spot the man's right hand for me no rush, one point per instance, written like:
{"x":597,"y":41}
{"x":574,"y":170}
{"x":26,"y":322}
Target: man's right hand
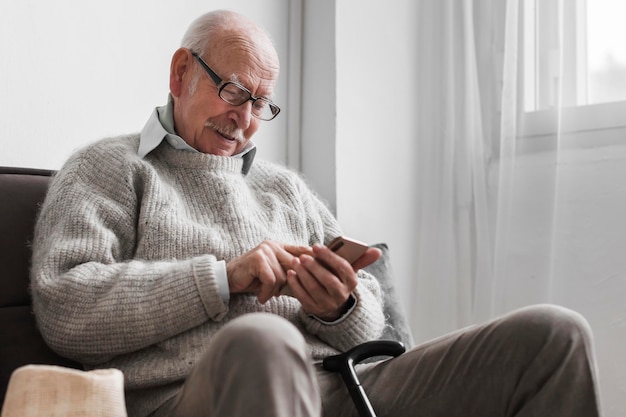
{"x":263,"y":270}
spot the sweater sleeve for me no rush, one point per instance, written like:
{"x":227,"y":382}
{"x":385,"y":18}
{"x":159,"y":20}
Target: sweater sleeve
{"x":92,"y":299}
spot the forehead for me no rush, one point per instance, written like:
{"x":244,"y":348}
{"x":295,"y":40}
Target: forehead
{"x":244,"y":55}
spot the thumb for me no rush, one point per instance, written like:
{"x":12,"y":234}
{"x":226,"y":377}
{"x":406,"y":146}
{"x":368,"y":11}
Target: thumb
{"x":370,"y":256}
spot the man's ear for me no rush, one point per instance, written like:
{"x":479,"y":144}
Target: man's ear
{"x":181,"y":64}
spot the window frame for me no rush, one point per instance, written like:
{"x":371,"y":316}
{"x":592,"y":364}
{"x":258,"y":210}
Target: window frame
{"x":541,"y":69}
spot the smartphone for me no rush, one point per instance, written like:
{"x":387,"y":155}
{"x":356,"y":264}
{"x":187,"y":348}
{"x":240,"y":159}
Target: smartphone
{"x":348,"y":249}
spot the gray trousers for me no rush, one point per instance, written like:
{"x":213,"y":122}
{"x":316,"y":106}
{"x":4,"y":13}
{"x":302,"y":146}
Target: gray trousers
{"x":537,"y":361}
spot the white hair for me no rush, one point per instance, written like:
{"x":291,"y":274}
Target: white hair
{"x":202,"y":31}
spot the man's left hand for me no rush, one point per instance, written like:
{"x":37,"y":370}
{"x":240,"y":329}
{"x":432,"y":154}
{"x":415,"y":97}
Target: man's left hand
{"x":323,"y":282}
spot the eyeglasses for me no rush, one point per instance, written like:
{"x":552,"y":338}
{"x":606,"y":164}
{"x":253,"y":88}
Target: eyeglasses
{"x":236,"y":94}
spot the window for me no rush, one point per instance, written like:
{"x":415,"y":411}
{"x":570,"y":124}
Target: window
{"x":606,"y":51}
{"x":575,"y":58}
{"x":577,"y":47}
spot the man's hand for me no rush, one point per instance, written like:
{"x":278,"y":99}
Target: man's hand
{"x":262,"y":270}
{"x":323,"y":281}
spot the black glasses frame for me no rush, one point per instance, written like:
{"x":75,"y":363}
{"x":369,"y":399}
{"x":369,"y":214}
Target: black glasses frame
{"x":221,"y":84}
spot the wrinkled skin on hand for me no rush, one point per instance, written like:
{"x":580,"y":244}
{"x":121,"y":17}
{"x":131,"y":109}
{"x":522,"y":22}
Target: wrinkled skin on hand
{"x":263,"y":270}
{"x":320,"y":279}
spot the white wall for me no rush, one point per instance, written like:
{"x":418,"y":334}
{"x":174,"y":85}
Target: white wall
{"x":73,"y":71}
{"x":319,"y":98}
{"x":376,"y":125}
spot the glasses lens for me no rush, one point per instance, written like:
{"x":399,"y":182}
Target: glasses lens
{"x":264,"y":109}
{"x":234,"y":94}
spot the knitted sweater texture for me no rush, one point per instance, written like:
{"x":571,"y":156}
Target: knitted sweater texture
{"x":125,"y":252}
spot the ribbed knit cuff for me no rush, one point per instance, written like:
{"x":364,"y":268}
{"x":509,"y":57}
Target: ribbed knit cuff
{"x":350,"y":305}
{"x":366,"y":322}
{"x":204,"y":270}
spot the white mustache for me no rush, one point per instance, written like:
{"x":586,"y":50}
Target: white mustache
{"x":228,"y":131}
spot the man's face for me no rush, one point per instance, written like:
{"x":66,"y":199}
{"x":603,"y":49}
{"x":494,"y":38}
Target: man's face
{"x":201,"y":117}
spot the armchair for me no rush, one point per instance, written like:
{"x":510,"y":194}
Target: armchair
{"x":21,"y":192}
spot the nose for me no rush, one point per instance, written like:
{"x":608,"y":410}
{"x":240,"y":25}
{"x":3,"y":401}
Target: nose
{"x":242,"y":114}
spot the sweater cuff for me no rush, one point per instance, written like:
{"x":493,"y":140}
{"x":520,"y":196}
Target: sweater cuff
{"x":204,"y":271}
{"x":350,"y":306}
{"x":365,"y":322}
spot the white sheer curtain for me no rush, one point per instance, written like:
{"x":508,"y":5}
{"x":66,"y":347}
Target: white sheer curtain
{"x":454,"y":152}
{"x":525,"y":214}
{"x":517,"y":207}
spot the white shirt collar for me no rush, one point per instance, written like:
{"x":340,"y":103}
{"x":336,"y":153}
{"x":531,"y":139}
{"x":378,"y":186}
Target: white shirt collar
{"x":160,"y":126}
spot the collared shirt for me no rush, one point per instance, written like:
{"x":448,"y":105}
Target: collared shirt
{"x":159,"y":127}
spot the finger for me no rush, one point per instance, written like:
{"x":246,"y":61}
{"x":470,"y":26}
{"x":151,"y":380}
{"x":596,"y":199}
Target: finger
{"x":368,"y":258}
{"x":314,"y":297}
{"x":273,"y":262}
{"x":307,"y":279}
{"x":295,"y":285}
{"x":271,"y":276}
{"x":333,"y":262}
{"x":327,"y":288}
{"x":281,"y":264}
{"x":288,"y":253}
{"x":267,"y":281}
{"x":297,"y":250}
{"x":280,"y":277}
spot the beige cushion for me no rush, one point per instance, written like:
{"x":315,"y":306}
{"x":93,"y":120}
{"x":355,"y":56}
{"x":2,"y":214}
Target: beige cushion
{"x":54,"y":391}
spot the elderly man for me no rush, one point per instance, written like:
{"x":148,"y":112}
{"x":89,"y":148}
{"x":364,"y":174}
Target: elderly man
{"x":169,"y":255}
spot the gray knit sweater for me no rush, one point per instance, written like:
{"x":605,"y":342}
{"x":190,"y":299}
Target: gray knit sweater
{"x":125,"y":251}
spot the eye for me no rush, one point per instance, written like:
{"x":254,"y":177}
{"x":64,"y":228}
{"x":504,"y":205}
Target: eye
{"x":234,"y":94}
{"x":259,"y":105}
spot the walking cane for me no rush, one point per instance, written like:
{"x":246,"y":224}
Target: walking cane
{"x":344,"y":364}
